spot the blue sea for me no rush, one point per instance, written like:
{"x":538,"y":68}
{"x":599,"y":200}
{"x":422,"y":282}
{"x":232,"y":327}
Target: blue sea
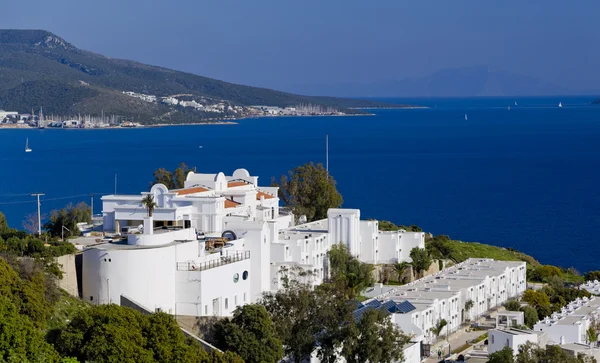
{"x":525,"y":178}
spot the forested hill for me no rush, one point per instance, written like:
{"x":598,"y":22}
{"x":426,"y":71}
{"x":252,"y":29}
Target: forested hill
{"x":38,"y":68}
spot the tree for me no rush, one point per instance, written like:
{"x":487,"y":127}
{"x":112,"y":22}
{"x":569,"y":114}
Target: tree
{"x":530,"y":316}
{"x":20,"y":340}
{"x":389,"y":226}
{"x":439,"y":327}
{"x":3,"y":223}
{"x":163,"y":176}
{"x":307,"y":318}
{"x":68,"y":217}
{"x":30,"y":223}
{"x":505,"y":355}
{"x":111,"y":333}
{"x":512,"y":305}
{"x":172,"y":180}
{"x":589,"y":276}
{"x":347,"y":272}
{"x":400,"y":268}
{"x":536,"y":298}
{"x":469,"y":305}
{"x":250,"y":334}
{"x":529,"y":353}
{"x":440,"y":247}
{"x":420,"y":260}
{"x":309,"y":190}
{"x":180,"y":174}
{"x":149,"y":203}
{"x":374,"y":338}
{"x":591,"y":335}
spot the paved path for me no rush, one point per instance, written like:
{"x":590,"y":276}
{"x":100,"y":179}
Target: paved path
{"x":456,"y":340}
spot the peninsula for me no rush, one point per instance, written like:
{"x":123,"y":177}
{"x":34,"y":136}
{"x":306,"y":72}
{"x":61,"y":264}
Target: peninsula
{"x":40,"y":70}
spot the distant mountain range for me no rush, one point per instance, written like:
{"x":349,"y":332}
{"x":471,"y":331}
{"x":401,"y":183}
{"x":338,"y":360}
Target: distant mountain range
{"x":38,"y":68}
{"x":473,"y":81}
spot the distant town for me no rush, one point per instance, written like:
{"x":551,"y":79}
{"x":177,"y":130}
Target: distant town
{"x":221,"y":111}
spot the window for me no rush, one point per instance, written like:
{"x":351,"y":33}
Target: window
{"x":235,"y":300}
{"x":91,"y":298}
{"x":205,"y":309}
{"x":245,"y":276}
{"x":244,"y":297}
{"x":236,"y":277}
{"x":226,"y":303}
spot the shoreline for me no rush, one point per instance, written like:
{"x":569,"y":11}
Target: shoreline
{"x":208,"y":123}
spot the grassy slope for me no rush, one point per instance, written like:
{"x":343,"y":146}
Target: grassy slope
{"x":66,"y":308}
{"x":464,"y":250}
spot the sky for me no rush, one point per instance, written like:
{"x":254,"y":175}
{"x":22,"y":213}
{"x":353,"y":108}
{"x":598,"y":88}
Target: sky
{"x":282,"y":43}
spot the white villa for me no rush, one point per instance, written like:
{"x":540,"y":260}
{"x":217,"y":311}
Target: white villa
{"x":219,"y":243}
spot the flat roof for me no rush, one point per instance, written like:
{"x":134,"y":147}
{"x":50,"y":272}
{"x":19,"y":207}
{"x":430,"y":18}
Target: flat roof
{"x":125,"y":246}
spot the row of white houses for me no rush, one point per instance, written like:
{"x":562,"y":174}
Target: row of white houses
{"x":457,"y":294}
{"x":218,"y":243}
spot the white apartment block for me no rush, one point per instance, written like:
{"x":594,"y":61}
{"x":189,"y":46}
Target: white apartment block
{"x":485,"y":282}
{"x":593,"y":287}
{"x":570,"y":324}
{"x":218,"y":243}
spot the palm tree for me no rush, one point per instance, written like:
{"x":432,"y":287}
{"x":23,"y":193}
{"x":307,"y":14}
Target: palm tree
{"x":149,"y":203}
{"x":399,"y":268}
{"x":438,"y":328}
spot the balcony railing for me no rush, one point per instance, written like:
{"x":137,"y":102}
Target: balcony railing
{"x":224,"y":260}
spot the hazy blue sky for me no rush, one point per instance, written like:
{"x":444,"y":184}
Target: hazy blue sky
{"x":281,"y":43}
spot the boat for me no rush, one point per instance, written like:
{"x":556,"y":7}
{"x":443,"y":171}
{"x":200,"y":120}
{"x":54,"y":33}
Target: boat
{"x":509,"y":108}
{"x":27,"y":149}
{"x":560,"y":104}
{"x":466,"y":118}
{"x":516,"y":103}
{"x":200,"y":146}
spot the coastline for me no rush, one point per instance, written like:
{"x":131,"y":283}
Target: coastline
{"x":235,"y":122}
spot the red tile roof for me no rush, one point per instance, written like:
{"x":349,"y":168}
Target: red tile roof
{"x":191,"y":191}
{"x":231,"y":203}
{"x":261,"y":194}
{"x":236,"y":184}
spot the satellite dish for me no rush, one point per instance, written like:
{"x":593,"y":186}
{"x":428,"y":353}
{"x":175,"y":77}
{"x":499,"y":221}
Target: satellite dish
{"x":141,"y":227}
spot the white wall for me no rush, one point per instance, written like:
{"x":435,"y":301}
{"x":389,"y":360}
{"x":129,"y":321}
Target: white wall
{"x":498,"y":339}
{"x":213,"y":291}
{"x":344,"y":227}
{"x":412,"y":353}
{"x":144,"y":275}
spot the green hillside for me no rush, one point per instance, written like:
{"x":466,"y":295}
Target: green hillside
{"x":38,"y":68}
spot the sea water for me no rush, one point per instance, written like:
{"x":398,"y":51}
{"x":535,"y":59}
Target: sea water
{"x":526,"y":178}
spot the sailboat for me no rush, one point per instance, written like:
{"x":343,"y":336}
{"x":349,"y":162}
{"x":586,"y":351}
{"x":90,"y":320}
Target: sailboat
{"x":560,"y":104}
{"x":466,"y":118}
{"x":27,"y":149}
{"x":516,"y":103}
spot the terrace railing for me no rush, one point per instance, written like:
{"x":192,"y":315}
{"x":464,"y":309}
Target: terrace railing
{"x":224,"y":260}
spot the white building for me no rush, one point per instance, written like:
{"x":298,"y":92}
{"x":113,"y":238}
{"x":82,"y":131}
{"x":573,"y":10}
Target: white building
{"x":593,"y":287}
{"x":513,"y":338}
{"x":219,"y":242}
{"x":484,"y":282}
{"x":570,"y":324}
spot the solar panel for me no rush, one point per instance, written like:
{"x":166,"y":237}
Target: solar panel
{"x":405,"y":307}
{"x":374,"y":304}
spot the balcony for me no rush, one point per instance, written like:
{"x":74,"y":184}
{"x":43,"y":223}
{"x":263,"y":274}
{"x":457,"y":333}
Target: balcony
{"x":224,"y":260}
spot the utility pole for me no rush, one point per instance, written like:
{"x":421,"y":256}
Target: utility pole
{"x":39,"y":212}
{"x":92,"y":205}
